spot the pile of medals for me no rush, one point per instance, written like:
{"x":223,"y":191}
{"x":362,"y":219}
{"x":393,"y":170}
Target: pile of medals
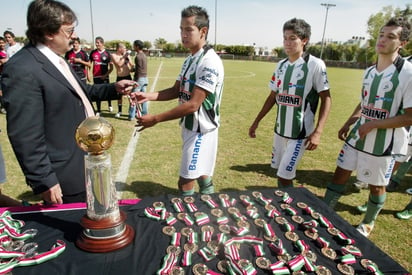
{"x":235,"y":232}
{"x":15,"y":250}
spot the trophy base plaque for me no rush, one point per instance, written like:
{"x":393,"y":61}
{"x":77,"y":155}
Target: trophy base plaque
{"x":105,"y":235}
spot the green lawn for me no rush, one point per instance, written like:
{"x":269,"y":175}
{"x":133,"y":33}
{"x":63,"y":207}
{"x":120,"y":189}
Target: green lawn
{"x":243,"y":163}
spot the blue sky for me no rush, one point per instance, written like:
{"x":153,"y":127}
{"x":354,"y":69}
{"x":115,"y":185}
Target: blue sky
{"x":237,"y":22}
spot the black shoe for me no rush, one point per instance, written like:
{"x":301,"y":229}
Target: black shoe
{"x":392,"y":186}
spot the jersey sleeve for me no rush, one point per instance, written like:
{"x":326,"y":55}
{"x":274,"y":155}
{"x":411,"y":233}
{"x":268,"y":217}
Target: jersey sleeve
{"x":207,"y":74}
{"x":320,"y":81}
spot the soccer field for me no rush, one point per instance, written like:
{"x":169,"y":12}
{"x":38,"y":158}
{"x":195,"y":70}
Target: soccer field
{"x":242,"y":163}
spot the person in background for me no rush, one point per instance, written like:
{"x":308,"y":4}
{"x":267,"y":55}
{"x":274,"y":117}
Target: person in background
{"x":198,"y":89}
{"x":4,"y":199}
{"x":140,"y":76}
{"x":102,"y":67}
{"x":78,"y":60}
{"x":46,"y":102}
{"x":378,"y":133}
{"x":3,"y":60}
{"x":123,"y":66}
{"x":296,"y":86}
{"x":12,"y":46}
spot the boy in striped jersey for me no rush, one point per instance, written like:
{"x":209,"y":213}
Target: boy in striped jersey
{"x":199,"y":89}
{"x":296,"y":86}
{"x":378,"y":134}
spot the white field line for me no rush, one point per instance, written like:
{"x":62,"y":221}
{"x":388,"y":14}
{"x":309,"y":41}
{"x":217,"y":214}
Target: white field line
{"x":123,"y":171}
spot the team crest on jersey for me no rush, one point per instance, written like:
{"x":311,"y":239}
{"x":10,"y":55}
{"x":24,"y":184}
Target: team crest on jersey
{"x":372,"y":113}
{"x":387,"y":87}
{"x":300,"y":75}
{"x":289,"y":100}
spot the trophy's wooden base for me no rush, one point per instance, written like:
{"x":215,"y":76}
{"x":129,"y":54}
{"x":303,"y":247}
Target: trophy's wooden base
{"x":108,"y":242}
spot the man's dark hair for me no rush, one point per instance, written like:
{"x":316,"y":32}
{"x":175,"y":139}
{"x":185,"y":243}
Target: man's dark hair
{"x":139,"y":44}
{"x":299,"y":27}
{"x":202,"y":18}
{"x":404,"y":24}
{"x":45,"y":17}
{"x":2,"y":38}
{"x":8,"y":32}
{"x":99,"y":38}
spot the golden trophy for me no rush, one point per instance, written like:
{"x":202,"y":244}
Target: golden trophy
{"x":104,"y":227}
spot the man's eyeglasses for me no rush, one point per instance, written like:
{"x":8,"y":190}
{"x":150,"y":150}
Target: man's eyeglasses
{"x":68,"y":32}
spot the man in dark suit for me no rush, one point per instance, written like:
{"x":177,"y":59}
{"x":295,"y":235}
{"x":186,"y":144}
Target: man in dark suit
{"x":44,"y":106}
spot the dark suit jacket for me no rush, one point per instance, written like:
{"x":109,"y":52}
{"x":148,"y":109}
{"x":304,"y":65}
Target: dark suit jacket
{"x":43,"y":112}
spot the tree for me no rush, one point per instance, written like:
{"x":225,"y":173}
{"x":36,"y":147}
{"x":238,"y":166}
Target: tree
{"x":160,"y":43}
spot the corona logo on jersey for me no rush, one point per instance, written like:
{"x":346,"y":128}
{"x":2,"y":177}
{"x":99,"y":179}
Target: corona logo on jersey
{"x":289,"y":100}
{"x":372,"y":113}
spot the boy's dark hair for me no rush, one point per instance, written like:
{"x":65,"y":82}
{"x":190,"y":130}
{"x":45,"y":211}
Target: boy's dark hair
{"x":139,"y":44}
{"x":202,"y":18}
{"x":404,"y":24}
{"x":8,"y":32}
{"x":300,"y":27}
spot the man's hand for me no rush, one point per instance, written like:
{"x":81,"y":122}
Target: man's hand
{"x":146,"y":121}
{"x":124,"y":86}
{"x":53,"y":195}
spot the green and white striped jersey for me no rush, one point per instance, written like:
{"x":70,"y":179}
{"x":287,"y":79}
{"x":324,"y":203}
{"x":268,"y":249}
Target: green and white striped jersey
{"x":205,"y":70}
{"x":297,"y":86}
{"x":384,"y":94}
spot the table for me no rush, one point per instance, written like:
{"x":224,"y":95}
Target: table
{"x":146,"y":253}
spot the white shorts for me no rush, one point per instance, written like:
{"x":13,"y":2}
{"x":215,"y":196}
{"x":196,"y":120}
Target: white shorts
{"x":401,"y":158}
{"x":375,"y":170}
{"x":286,"y":155}
{"x":198,"y":154}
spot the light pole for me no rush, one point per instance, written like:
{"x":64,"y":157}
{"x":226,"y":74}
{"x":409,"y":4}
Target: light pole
{"x":327,"y":5}
{"x":91,"y":21}
{"x":215,"y":22}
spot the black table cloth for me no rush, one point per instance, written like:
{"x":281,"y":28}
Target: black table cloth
{"x":145,"y":254}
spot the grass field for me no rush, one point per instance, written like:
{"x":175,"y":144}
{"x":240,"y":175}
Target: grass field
{"x":243,"y":163}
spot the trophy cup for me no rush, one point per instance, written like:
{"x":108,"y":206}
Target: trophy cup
{"x":104,"y":227}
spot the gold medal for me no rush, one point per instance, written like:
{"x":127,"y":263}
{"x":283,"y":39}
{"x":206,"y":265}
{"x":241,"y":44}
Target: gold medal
{"x":315,"y":215}
{"x":205,"y":197}
{"x":263,"y":263}
{"x":280,"y":220}
{"x":310,"y":255}
{"x":233,"y":210}
{"x":213,"y":245}
{"x":270,"y":238}
{"x":172,"y":249}
{"x":284,"y":258}
{"x":185,"y":231}
{"x":291,"y":236}
{"x":299,"y":272}
{"x":168,"y":230}
{"x":256,"y":194}
{"x":243,"y":224}
{"x":222,"y":266}
{"x":284,"y":206}
{"x":158,"y":204}
{"x":310,"y":234}
{"x":322,"y":270}
{"x":269,"y":207}
{"x":279,"y":193}
{"x":224,"y":196}
{"x":192,"y":247}
{"x":297,"y":219}
{"x":244,"y":197}
{"x":177,"y":270}
{"x":189,"y":199}
{"x":366,"y":262}
{"x":346,"y":269}
{"x":200,"y":269}
{"x":176,"y":200}
{"x":207,"y":228}
{"x":243,"y":263}
{"x":181,"y":216}
{"x":301,"y":205}
{"x":329,"y":252}
{"x":259,"y":222}
{"x":197,"y":214}
{"x":333,"y":231}
{"x":216,"y":212}
{"x":224,"y":228}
